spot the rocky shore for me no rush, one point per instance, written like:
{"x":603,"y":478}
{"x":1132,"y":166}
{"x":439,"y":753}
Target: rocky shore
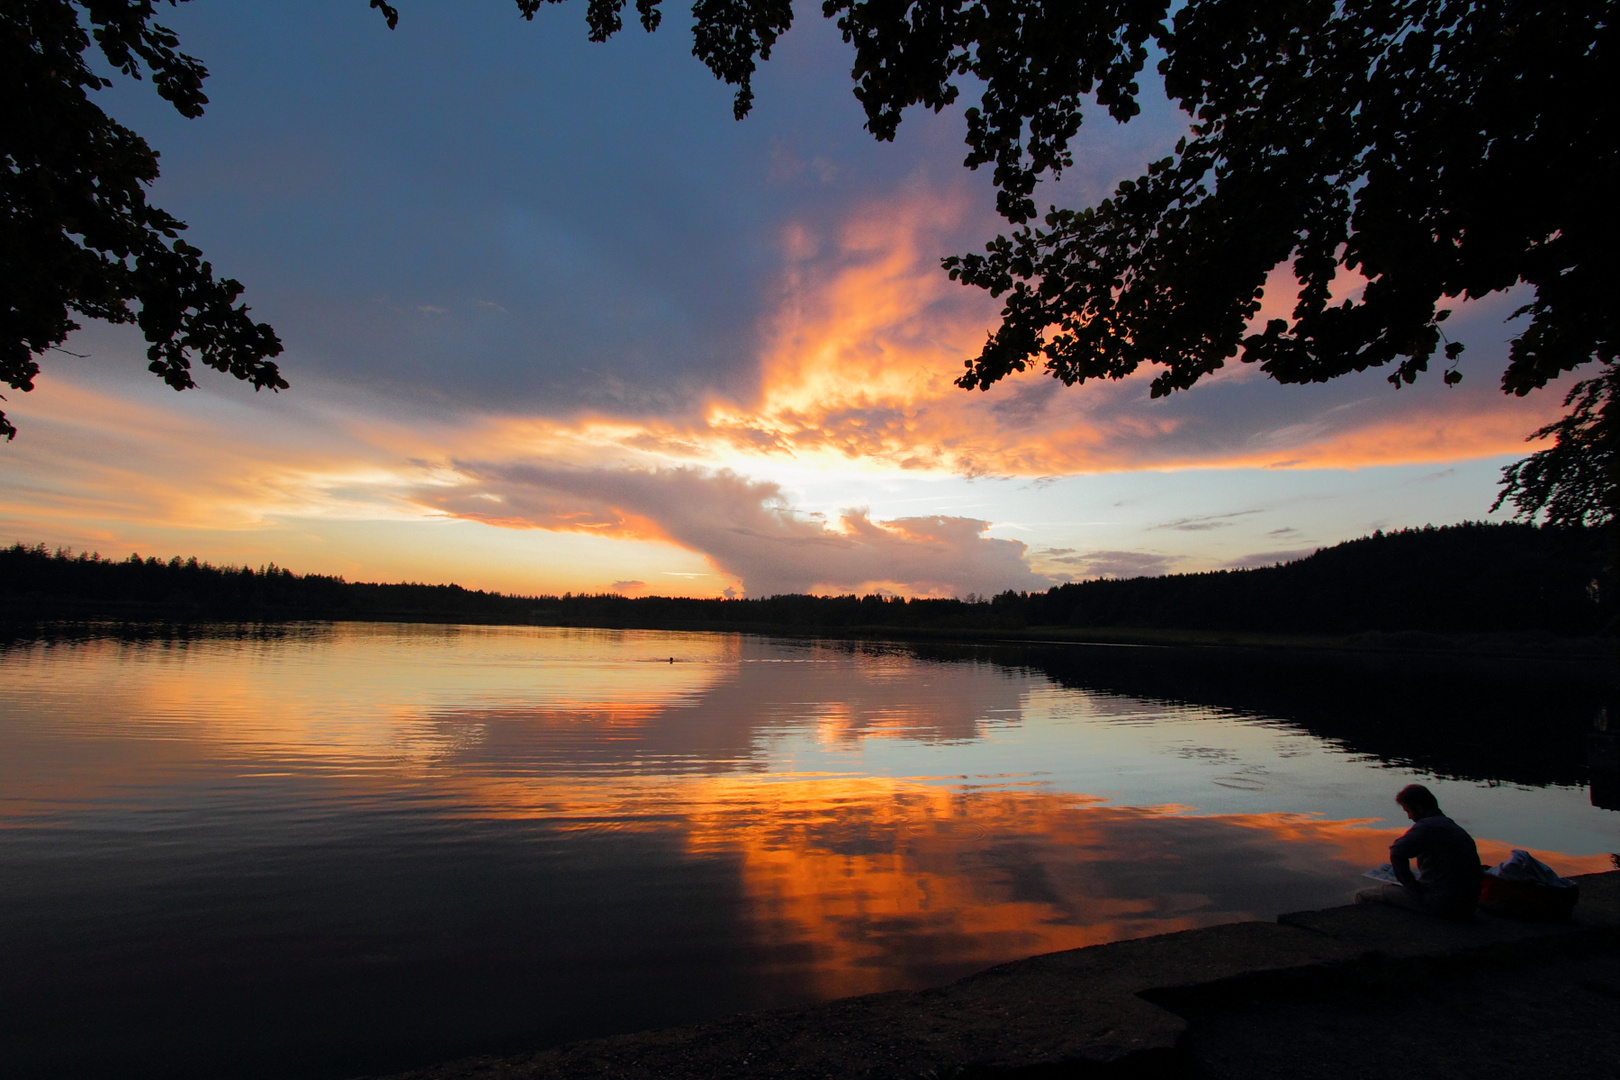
{"x":1342,"y":992}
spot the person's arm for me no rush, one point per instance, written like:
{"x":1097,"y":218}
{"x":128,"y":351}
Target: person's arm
{"x":1400,"y":854}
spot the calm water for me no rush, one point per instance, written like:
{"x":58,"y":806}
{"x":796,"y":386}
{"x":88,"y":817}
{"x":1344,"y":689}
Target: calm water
{"x":361,"y":848}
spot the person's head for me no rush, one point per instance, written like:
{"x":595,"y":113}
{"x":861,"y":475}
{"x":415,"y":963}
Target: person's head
{"x":1417,"y":800}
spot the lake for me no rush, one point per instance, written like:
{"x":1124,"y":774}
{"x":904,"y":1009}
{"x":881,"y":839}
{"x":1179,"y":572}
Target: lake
{"x":322,"y":850}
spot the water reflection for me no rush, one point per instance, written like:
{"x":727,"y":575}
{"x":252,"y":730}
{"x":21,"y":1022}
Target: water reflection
{"x":1474,"y":716}
{"x":904,"y":884}
{"x":360,"y":848}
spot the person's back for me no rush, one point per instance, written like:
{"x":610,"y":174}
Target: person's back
{"x":1448,"y":862}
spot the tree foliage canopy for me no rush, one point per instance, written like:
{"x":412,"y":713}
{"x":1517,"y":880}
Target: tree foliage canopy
{"x":78,"y":236}
{"x":1572,"y":482}
{"x":1430,"y":151}
{"x":1436,"y":149}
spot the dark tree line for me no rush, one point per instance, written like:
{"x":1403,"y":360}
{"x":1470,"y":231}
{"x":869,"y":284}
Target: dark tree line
{"x":1469,"y":578}
{"x":35,"y":582}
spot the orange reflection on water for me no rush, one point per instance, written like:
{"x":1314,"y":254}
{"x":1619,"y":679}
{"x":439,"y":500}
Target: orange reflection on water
{"x":895,"y":882}
{"x":898,"y":883}
{"x":863,"y":884}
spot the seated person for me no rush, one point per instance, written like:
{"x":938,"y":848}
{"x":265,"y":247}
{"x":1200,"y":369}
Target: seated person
{"x":1446,"y":859}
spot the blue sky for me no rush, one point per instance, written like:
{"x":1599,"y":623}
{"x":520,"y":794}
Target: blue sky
{"x":554,"y":321}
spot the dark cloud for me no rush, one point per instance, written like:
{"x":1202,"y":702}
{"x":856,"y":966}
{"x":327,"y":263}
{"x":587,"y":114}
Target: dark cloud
{"x":1207,"y":522}
{"x":450,"y":243}
{"x":1027,"y":403}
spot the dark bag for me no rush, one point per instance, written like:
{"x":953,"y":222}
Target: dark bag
{"x":1528,"y":900}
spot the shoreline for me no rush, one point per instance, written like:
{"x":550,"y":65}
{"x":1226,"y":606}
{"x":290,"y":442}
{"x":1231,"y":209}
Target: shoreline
{"x":90,"y":621}
{"x":1296,"y":997}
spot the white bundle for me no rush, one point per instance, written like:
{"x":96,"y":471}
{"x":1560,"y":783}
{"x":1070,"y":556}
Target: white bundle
{"x":1523,"y":866}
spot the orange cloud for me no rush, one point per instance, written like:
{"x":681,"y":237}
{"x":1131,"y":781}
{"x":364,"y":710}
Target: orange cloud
{"x":855,"y":374}
{"x":869,"y":334}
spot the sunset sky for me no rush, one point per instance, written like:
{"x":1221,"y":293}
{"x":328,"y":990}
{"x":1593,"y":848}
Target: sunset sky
{"x":555,"y":322}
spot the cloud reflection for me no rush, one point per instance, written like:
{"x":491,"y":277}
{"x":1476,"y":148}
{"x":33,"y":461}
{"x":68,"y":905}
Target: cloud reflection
{"x":862,"y":884}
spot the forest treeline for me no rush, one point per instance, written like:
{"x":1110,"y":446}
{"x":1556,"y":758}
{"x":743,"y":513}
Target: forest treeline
{"x":1467,"y":578}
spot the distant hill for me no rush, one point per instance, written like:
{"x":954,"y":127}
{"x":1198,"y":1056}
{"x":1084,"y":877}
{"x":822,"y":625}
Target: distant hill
{"x":1468,"y":578}
{"x":1473,"y":577}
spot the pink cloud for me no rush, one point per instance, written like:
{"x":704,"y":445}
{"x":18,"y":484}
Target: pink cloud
{"x":1111,"y":564}
{"x":1270,"y":558}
